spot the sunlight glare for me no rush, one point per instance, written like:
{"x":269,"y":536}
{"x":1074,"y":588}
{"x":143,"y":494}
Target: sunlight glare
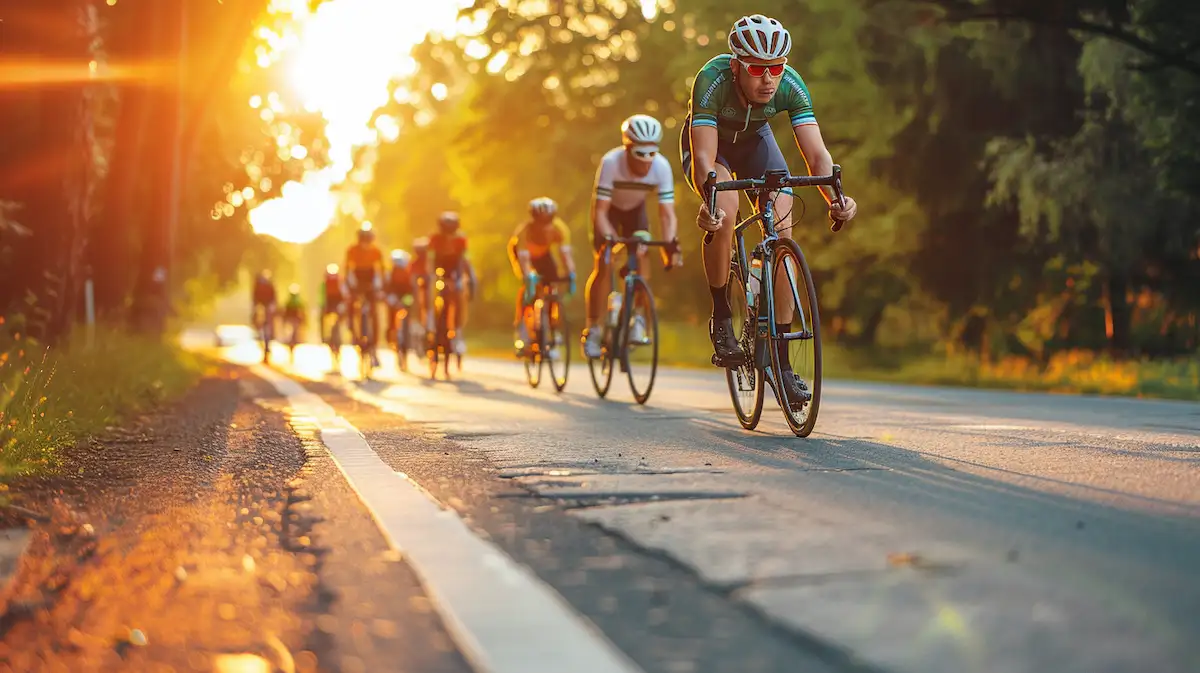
{"x":349,"y":51}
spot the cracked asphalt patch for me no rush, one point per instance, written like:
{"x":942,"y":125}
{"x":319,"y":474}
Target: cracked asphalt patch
{"x":656,"y":611}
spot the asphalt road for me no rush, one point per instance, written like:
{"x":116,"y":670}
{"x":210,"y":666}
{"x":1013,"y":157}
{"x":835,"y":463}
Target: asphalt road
{"x":918,"y":529}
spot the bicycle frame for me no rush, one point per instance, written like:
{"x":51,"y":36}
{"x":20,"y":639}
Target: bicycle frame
{"x":366,"y":304}
{"x":547,"y":294}
{"x":631,"y":244}
{"x":765,"y":330}
{"x":444,"y":296}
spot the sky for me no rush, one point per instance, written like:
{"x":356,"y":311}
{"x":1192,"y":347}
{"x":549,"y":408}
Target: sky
{"x":348,"y":53}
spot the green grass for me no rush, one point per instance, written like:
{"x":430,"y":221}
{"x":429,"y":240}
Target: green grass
{"x":1067,"y":372}
{"x":50,"y":398}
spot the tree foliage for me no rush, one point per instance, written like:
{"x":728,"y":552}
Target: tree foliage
{"x":1025,"y":170}
{"x":89,"y":131}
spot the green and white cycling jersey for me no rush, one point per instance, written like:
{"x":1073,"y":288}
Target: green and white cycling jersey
{"x":715,"y":101}
{"x":616,"y":181}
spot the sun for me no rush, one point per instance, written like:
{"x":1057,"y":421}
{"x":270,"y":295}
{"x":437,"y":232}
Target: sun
{"x":347,"y":53}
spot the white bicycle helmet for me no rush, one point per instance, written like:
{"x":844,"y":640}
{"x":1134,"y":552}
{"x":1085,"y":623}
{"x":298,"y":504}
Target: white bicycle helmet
{"x":641,"y":130}
{"x":543,"y":205}
{"x":400,"y":258}
{"x":757,"y":36}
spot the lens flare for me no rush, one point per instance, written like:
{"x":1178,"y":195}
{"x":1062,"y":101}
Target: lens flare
{"x":347,"y":54}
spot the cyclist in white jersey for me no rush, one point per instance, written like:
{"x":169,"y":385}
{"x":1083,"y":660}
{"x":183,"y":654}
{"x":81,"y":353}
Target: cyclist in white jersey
{"x":626,"y":175}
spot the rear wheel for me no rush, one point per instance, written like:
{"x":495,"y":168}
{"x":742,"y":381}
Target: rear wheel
{"x":555,"y":333}
{"x":801,"y":353}
{"x":745,"y":382}
{"x":641,"y":341}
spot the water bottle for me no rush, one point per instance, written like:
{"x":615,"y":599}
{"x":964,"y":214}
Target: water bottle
{"x":614,"y":308}
{"x":754,"y":282}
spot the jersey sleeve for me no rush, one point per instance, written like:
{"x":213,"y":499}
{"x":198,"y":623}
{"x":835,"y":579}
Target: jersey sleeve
{"x":705,"y":99}
{"x":517,"y":241}
{"x":666,"y":180}
{"x":605,"y":174}
{"x":798,"y":103}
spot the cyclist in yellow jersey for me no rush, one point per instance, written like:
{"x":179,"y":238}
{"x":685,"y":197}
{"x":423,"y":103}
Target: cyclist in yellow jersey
{"x":364,"y":277}
{"x":531,"y":251}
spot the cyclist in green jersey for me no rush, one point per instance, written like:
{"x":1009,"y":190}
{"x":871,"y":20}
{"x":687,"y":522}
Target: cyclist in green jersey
{"x":733,"y":97}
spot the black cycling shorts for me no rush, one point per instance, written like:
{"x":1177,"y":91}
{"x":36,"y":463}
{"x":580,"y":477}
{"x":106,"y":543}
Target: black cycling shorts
{"x":624,"y":222}
{"x":545,"y":267}
{"x":750,"y":157}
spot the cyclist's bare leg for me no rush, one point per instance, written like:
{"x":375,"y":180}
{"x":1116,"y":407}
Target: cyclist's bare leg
{"x":520,"y":313}
{"x":419,"y":303}
{"x":597,"y":290}
{"x":718,"y":253}
{"x":375,"y":319}
{"x":451,"y":314}
{"x":460,"y":313}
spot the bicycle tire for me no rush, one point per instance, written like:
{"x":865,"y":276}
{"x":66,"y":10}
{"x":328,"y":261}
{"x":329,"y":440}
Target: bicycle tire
{"x":651,"y":319}
{"x":558,"y":327}
{"x":439,"y":338}
{"x":735,"y":376}
{"x":601,"y":368}
{"x":403,"y":346}
{"x":801,"y":426}
{"x":364,"y":347}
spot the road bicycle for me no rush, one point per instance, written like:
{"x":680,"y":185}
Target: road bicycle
{"x":365,"y":333}
{"x":403,"y":329}
{"x":439,"y":344}
{"x":546,"y":324}
{"x":630,"y":314}
{"x":773,"y":286}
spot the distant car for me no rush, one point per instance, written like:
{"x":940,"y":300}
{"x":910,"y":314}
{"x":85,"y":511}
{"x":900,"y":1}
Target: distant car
{"x":232,"y":335}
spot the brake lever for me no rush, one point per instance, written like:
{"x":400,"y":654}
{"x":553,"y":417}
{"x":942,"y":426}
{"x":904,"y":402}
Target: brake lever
{"x":841,"y":199}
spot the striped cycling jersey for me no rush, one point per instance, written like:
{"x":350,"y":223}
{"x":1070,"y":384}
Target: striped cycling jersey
{"x":616,"y":182}
{"x":715,"y":101}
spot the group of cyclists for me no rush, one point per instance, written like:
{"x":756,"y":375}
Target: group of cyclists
{"x":733,"y":97}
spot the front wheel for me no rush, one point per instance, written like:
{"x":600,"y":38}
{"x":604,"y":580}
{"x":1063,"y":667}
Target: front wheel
{"x":641,"y":340}
{"x":799,"y":349}
{"x":367,"y":335}
{"x":534,"y":358}
{"x":403,"y":337}
{"x":745,"y":382}
{"x":601,"y":368}
{"x":556,"y":334}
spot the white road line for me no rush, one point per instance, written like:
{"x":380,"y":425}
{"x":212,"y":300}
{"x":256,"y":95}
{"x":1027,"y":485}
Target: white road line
{"x":503,"y":618}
